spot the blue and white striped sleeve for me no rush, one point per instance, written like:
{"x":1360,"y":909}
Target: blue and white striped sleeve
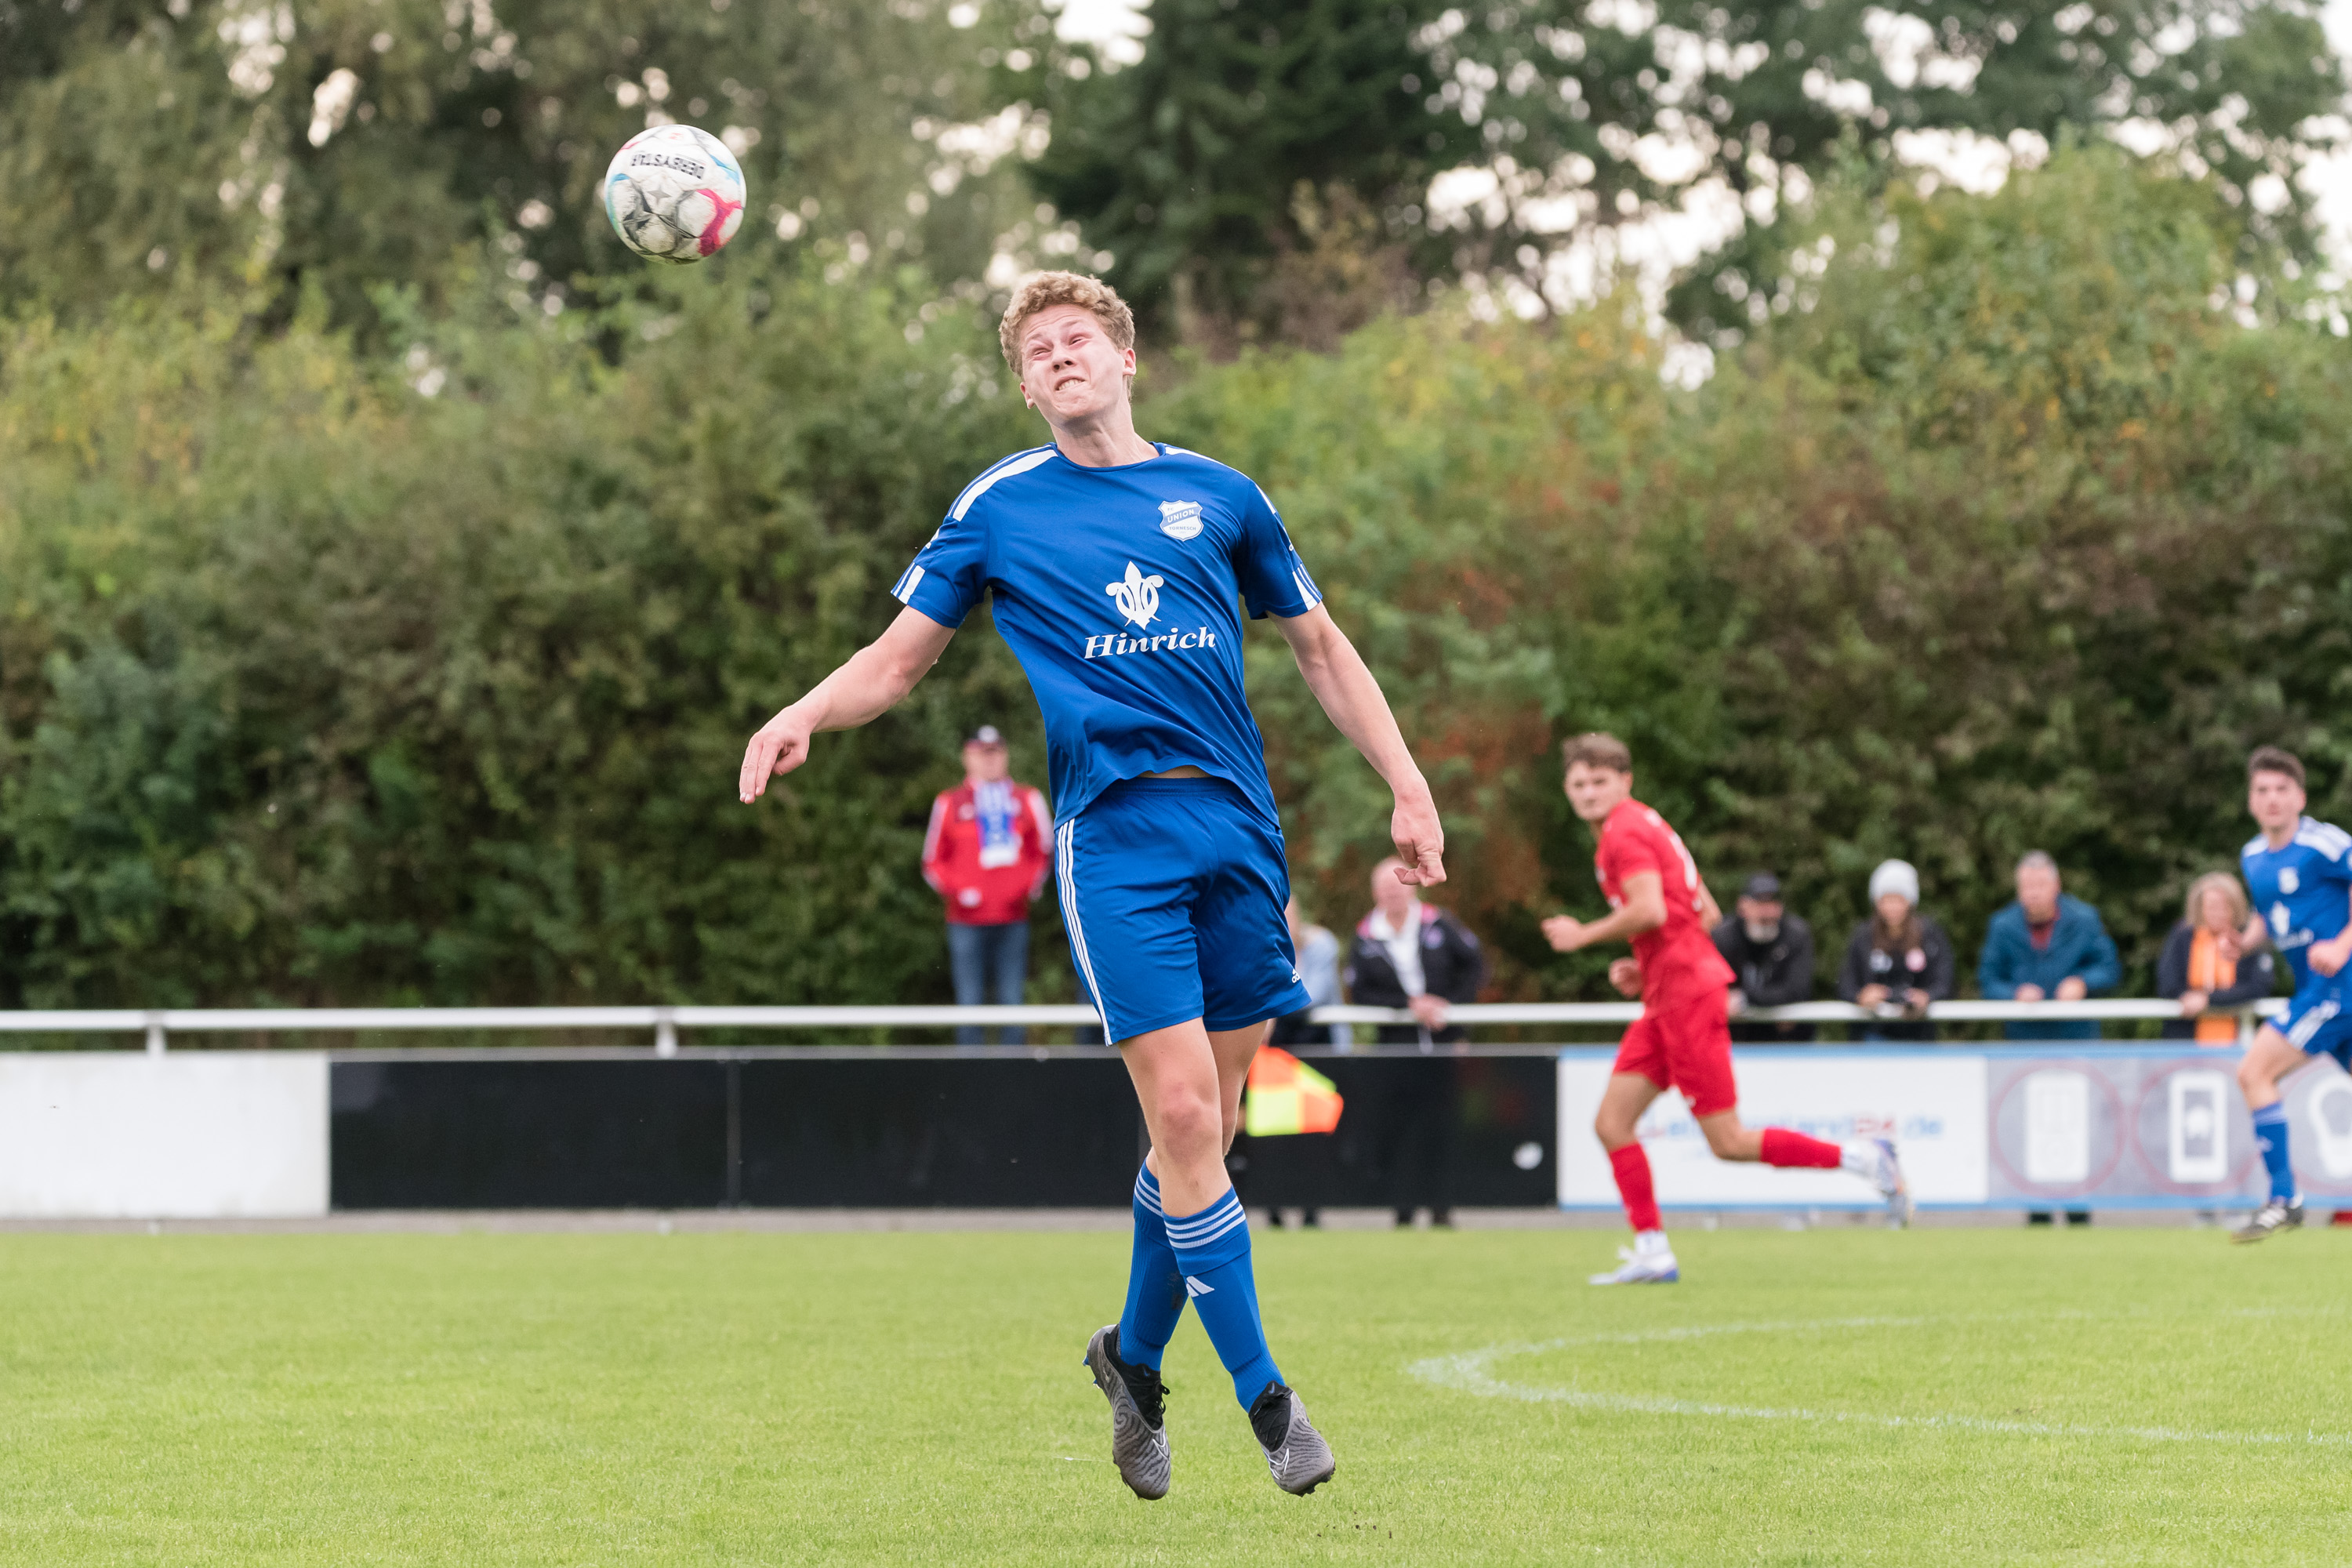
{"x":946,"y":579}
{"x":1274,"y":579}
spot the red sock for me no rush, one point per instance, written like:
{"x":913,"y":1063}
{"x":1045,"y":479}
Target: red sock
{"x":1633,"y":1169}
{"x":1782,"y":1147}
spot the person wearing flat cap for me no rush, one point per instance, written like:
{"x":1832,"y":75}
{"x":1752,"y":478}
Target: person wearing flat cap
{"x":1771,"y":952}
{"x":1898,"y":960}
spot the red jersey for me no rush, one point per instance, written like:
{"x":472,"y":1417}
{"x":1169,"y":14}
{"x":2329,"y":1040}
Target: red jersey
{"x":1679,"y":962}
{"x":987,"y":851}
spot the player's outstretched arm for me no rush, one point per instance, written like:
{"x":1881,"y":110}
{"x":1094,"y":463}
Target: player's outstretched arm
{"x":868,"y":685}
{"x":1335,"y":673}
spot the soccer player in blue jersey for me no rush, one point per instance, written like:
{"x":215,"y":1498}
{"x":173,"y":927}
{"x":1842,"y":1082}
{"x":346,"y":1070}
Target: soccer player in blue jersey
{"x":2299,"y":875}
{"x":1119,"y":568}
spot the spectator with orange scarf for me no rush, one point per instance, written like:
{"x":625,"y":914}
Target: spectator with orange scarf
{"x":2198,"y":967}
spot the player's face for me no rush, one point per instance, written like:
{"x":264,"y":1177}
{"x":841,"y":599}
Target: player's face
{"x":1070,"y":370}
{"x":1594,"y":791}
{"x":2275,"y":800}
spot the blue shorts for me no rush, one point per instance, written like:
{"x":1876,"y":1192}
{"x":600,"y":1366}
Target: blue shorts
{"x":2318,"y":1023}
{"x":1173,"y":890}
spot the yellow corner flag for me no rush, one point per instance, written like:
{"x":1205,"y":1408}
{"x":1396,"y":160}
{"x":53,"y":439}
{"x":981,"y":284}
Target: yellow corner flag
{"x":1287,"y":1096}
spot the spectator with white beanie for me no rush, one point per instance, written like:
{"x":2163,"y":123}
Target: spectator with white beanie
{"x":1898,"y":960}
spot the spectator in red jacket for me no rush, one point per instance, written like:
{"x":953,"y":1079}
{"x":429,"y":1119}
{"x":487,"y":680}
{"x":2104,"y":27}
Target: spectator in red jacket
{"x":986,"y":854}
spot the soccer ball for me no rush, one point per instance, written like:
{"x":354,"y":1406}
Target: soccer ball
{"x":675,"y":194}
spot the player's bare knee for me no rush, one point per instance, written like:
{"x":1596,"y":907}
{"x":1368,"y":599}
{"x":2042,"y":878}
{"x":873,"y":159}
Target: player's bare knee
{"x":1191,"y":1128}
{"x":2255,"y":1077}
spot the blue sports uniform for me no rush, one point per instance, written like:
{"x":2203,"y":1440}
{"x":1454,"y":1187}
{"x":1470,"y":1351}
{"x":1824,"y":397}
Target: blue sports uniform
{"x":2303,"y":892}
{"x":1119,"y":590}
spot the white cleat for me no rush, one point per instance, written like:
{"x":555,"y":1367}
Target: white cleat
{"x":1653,"y":1267}
{"x":1888,"y":1180}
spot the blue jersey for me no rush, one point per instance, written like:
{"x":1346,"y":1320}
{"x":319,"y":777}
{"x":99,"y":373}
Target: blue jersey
{"x":2303,"y":892}
{"x":1119,"y":590}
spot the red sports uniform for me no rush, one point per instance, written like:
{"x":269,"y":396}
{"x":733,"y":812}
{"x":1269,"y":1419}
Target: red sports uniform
{"x":1682,"y":1039}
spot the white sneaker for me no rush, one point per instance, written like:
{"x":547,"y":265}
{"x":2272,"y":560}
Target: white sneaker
{"x":1654,"y":1265}
{"x":1888,"y":1180}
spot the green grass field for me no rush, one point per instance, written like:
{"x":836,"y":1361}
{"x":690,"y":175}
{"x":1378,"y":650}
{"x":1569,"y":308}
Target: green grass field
{"x":1977,"y":1397}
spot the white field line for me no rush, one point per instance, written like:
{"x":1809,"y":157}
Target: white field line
{"x":1473,"y":1373}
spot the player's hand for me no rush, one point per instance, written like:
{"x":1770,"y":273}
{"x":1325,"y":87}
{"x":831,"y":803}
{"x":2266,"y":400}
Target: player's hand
{"x":1870,"y":996}
{"x":1565,"y":932}
{"x":781,"y":745}
{"x":1625,"y":973}
{"x":2029,"y":992}
{"x":2328,"y":957}
{"x":2193,"y":1003}
{"x":2071,"y":989}
{"x":1430,"y":1010}
{"x":1419,"y":840}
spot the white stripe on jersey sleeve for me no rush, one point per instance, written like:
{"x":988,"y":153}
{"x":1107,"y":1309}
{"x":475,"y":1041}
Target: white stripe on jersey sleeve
{"x":1020,"y":463}
{"x":2325,"y":836}
{"x":904,"y":591}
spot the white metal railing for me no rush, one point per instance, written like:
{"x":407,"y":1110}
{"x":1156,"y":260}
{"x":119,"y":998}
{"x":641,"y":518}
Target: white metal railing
{"x":158,"y":1025}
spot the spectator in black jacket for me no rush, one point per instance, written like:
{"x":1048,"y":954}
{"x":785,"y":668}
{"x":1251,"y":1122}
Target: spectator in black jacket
{"x":1898,"y":960}
{"x":2195,"y":966}
{"x":1770,"y":952}
{"x":1407,"y":953}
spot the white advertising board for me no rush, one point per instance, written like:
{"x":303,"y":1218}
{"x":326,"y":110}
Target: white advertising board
{"x":1932,"y":1103}
{"x":195,"y":1135}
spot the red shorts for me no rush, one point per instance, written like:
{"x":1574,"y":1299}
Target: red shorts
{"x":1686,"y":1047}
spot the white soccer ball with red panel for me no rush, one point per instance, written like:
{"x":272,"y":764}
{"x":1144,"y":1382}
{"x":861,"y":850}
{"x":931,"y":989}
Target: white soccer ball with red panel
{"x":675,"y":194}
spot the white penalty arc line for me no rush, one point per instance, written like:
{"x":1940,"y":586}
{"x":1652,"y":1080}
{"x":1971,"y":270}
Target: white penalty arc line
{"x":1473,"y":1373}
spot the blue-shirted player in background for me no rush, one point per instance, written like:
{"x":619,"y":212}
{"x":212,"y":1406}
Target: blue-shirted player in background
{"x":1117,"y":568}
{"x":2299,"y":875}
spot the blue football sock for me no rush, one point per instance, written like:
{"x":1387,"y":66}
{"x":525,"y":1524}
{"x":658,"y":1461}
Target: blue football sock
{"x":1213,"y":1248}
{"x":1155,"y":1288}
{"x":2270,"y":1137}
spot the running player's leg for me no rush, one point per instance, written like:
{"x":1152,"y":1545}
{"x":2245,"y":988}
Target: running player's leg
{"x":1651,"y":1259}
{"x":1697,"y":1046}
{"x":2267,"y":1063}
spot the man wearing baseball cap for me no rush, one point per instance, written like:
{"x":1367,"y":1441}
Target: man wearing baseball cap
{"x":986,"y":854}
{"x":1771,"y":952}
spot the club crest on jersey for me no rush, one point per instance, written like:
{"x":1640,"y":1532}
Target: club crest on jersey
{"x":1136,"y":595}
{"x":1180,"y":520}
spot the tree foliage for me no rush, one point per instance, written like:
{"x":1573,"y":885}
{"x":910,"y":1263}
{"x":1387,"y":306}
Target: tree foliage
{"x":1549,"y":118}
{"x":348,"y":145}
{"x":328,"y":675}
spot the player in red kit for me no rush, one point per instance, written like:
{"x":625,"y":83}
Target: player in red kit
{"x":1682,"y":1039}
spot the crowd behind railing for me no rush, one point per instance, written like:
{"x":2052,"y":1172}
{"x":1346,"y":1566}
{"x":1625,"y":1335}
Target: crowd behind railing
{"x":989,"y":852}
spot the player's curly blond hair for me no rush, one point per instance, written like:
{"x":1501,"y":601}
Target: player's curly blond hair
{"x":1047,"y":289}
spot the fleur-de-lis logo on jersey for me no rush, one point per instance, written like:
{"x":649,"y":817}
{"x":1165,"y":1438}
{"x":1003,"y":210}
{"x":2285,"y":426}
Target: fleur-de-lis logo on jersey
{"x":1136,"y":595}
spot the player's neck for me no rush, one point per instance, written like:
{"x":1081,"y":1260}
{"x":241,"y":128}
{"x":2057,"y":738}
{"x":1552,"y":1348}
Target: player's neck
{"x":1104,"y":440}
{"x":2280,"y":837}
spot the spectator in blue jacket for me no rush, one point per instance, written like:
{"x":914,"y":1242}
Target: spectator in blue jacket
{"x":2047,"y":946}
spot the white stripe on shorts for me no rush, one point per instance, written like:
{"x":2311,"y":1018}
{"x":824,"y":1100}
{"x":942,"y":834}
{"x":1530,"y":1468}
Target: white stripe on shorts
{"x":1065,"y":861}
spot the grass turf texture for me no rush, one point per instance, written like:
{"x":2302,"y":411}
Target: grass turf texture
{"x":892,"y":1397}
